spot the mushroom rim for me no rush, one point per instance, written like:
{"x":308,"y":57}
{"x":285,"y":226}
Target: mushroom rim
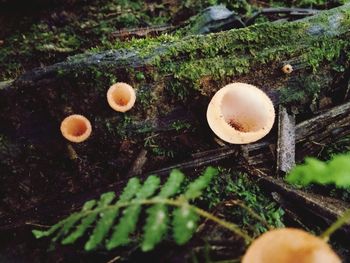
{"x":87,"y":129}
{"x":112,"y":101}
{"x":219,"y":125}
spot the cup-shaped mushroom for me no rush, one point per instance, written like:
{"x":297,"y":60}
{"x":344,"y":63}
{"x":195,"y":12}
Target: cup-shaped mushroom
{"x":240,"y":113}
{"x":121,"y":97}
{"x":289,"y":245}
{"x":76,"y":128}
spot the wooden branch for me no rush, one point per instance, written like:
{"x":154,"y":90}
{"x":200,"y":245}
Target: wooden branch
{"x":327,"y":208}
{"x":285,"y":141}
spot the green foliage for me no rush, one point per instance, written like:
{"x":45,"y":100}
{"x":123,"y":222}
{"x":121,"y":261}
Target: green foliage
{"x":184,"y":222}
{"x":239,"y":187}
{"x":336,"y":171}
{"x":113,"y":220}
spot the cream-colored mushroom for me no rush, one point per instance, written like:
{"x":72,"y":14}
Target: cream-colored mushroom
{"x":287,"y":69}
{"x":240,"y":113}
{"x":76,"y":128}
{"x":121,"y":97}
{"x":289,"y":245}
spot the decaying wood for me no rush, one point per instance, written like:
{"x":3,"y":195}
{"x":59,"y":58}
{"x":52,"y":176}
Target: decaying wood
{"x":311,"y":136}
{"x":285,"y":141}
{"x":142,"y":32}
{"x":326,"y":207}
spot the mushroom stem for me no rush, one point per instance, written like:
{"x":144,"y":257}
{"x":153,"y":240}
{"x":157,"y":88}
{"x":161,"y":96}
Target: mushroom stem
{"x":76,"y":128}
{"x":344,"y":219}
{"x":121,"y":97}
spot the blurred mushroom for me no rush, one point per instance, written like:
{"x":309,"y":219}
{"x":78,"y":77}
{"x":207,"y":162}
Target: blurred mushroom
{"x":287,"y":69}
{"x":121,"y":97}
{"x":240,"y":113}
{"x":76,"y":128}
{"x":289,"y":245}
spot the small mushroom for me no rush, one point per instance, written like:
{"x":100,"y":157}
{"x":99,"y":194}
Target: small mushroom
{"x":240,"y":113}
{"x":287,"y":69}
{"x":289,"y":245}
{"x":76,"y":128}
{"x":121,"y":97}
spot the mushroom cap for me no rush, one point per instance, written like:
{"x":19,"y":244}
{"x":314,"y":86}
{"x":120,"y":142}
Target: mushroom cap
{"x":76,"y":128}
{"x":240,"y":113}
{"x":287,"y":69}
{"x":121,"y":97}
{"x":289,"y":245}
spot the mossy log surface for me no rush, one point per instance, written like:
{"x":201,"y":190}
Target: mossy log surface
{"x":174,"y":78}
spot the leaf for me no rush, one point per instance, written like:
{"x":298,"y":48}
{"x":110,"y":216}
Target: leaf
{"x":104,"y":201}
{"x":173,"y":183}
{"x":340,"y":169}
{"x":336,"y":171}
{"x":184,"y":224}
{"x":64,"y":225}
{"x":195,"y":188}
{"x":107,"y":218}
{"x":103,"y":214}
{"x":127,"y":223}
{"x":156,"y":226}
{"x":157,"y":220}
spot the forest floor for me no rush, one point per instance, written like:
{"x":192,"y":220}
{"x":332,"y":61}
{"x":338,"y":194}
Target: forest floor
{"x":41,"y":34}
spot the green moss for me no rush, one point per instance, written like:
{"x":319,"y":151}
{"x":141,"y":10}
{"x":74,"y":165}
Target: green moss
{"x":302,"y":90}
{"x":235,"y":186}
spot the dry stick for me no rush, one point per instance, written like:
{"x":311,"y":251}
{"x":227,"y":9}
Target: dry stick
{"x":344,"y":219}
{"x":285,"y":141}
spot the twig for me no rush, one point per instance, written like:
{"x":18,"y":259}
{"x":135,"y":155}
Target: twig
{"x":285,"y":141}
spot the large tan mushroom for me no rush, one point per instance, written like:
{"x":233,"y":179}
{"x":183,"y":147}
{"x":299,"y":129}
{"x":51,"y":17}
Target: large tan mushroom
{"x":76,"y":128}
{"x":289,"y":245}
{"x":240,"y":113}
{"x":121,"y":97}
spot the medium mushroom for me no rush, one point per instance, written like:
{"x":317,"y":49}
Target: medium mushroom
{"x":240,"y":113}
{"x":121,"y":97}
{"x":76,"y":128}
{"x":289,"y":245}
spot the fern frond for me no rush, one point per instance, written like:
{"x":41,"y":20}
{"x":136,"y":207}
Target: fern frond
{"x":107,"y":218}
{"x":127,"y":223}
{"x":73,"y":218}
{"x":102,"y":216}
{"x":336,"y":171}
{"x":158,"y":218}
{"x":184,"y":223}
{"x":195,"y":188}
{"x":104,"y":201}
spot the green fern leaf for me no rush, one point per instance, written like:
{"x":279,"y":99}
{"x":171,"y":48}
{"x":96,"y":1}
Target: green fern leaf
{"x":128,"y":221}
{"x":340,"y":169}
{"x":195,"y":188}
{"x":65,"y":224}
{"x":336,"y":171}
{"x":103,"y":214}
{"x":157,"y":220}
{"x":172,"y":185}
{"x":104,"y":201}
{"x":106,"y":221}
{"x":184,"y":224}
